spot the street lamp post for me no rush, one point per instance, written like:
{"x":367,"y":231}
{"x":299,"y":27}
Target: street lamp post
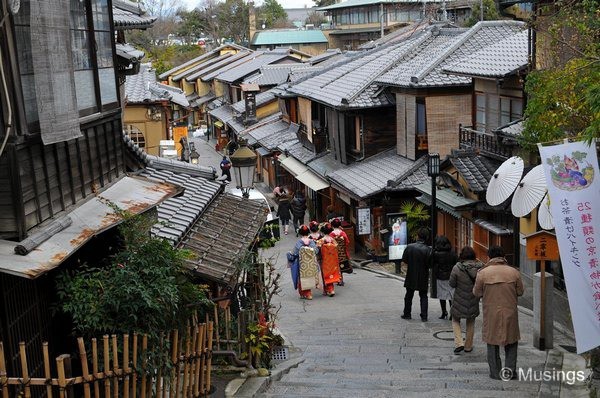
{"x":433,"y":170}
{"x":244,"y":164}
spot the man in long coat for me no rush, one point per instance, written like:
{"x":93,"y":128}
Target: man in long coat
{"x":416,"y":256}
{"x":499,"y":284}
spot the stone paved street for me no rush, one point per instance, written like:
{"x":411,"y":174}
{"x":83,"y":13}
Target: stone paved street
{"x":356,"y":345}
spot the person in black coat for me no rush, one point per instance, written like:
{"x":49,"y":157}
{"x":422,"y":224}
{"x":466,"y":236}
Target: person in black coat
{"x":444,"y":260}
{"x":416,"y":257}
{"x":284,"y":211}
{"x":298,"y":210}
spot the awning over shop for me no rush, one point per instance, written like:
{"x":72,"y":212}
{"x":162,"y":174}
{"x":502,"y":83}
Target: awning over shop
{"x":312,"y":180}
{"x":493,"y":227}
{"x":132,"y":194}
{"x":446,"y":200}
{"x":292,"y":165}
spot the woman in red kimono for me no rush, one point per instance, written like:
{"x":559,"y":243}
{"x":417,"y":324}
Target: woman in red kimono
{"x":343,"y":244}
{"x":330,"y":266}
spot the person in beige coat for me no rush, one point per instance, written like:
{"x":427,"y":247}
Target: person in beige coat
{"x":499,"y":284}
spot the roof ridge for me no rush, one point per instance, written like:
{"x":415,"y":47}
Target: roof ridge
{"x":418,"y":41}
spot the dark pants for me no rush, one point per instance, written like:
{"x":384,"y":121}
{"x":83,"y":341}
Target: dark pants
{"x":298,"y":221}
{"x":495,"y":363}
{"x":408,"y":298}
{"x":226,"y":172}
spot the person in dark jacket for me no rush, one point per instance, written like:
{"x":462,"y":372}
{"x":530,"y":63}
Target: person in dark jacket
{"x":416,"y":257}
{"x":444,"y":260}
{"x":284,"y":211}
{"x":464,"y":305}
{"x":298,"y":210}
{"x":226,"y":168}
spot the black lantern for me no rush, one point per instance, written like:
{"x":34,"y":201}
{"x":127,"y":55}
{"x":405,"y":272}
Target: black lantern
{"x":433,"y":170}
{"x":244,"y":164}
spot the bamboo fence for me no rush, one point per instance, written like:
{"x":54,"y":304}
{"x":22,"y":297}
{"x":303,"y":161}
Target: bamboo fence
{"x":125,"y":369}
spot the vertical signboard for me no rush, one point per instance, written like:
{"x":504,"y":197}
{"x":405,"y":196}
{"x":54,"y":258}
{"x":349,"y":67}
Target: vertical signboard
{"x":572,"y":178}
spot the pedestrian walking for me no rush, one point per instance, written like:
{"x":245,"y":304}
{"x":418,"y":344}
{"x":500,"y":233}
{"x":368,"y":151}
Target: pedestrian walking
{"x":330,"y":266}
{"x":298,"y":210}
{"x":416,"y":256}
{"x":444,"y":260}
{"x":226,"y":168}
{"x":464,"y":305}
{"x":343,"y":248}
{"x":304,"y":264}
{"x":284,"y":211}
{"x":499,"y":285}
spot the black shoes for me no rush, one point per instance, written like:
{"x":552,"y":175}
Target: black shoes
{"x":406,"y":317}
{"x":423,"y":319}
{"x":457,"y":350}
{"x":444,"y":315}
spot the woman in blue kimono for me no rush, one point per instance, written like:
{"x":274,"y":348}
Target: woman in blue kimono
{"x":304,"y":264}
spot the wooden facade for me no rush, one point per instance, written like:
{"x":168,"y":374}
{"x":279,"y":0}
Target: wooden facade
{"x":44,"y":180}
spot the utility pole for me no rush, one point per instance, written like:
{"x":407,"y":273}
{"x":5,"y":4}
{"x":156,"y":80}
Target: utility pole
{"x":481,"y":10}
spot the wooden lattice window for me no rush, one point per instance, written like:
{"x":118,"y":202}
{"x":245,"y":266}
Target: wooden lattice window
{"x":136,"y":136}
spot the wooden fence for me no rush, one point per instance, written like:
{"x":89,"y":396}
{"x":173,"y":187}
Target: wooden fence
{"x":125,"y":368}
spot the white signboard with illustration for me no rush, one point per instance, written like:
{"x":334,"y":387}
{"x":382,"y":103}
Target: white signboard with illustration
{"x":398,"y":239}
{"x":572,"y":177}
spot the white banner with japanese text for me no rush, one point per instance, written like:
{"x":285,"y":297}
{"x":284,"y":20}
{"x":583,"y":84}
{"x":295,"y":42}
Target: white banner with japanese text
{"x":573,"y":181}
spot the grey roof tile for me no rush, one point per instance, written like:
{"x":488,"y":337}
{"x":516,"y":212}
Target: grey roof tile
{"x":423,"y":67}
{"x":206,"y":71}
{"x":143,"y":88}
{"x":370,"y":176}
{"x":252,"y":65}
{"x":412,"y":177}
{"x":261,"y":99}
{"x":223,"y":113}
{"x":508,"y":55}
{"x":129,"y":15}
{"x":475,"y":169}
{"x":209,"y":59}
{"x":325,"y":164}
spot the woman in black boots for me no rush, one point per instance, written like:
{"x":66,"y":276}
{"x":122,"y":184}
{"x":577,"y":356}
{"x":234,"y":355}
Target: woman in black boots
{"x":444,"y":260}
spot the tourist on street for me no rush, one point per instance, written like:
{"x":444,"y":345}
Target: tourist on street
{"x":499,"y":284}
{"x":343,"y":246}
{"x":444,"y":260}
{"x":284,"y":211}
{"x":416,"y":256}
{"x":304,"y":261}
{"x":277,"y":192}
{"x":330,"y":266}
{"x":464,"y":305}
{"x":315,"y":234}
{"x":298,"y":209}
{"x":226,"y":168}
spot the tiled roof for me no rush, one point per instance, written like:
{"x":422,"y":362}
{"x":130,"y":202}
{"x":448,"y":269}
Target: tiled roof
{"x":221,"y":64}
{"x":513,"y":129}
{"x":498,"y":60}
{"x":233,"y":62}
{"x":236,"y":125}
{"x":370,"y":176}
{"x":143,"y":88}
{"x":266,"y":127}
{"x":350,"y":84}
{"x":414,"y":176}
{"x":210,"y":59}
{"x":325,"y":165}
{"x":223,"y":113}
{"x":423,"y":66}
{"x":298,"y":151}
{"x":287,"y":36}
{"x":274,"y":141}
{"x":261,"y":99}
{"x":257,"y":60}
{"x":202,"y":57}
{"x":222,"y":237}
{"x":177,"y":215}
{"x":331,"y":52}
{"x":201,"y":100}
{"x":411,"y":29}
{"x":475,"y":169}
{"x":446,"y":199}
{"x":129,"y":15}
{"x":271,"y":75}
{"x":360,"y":3}
{"x":129,"y":52}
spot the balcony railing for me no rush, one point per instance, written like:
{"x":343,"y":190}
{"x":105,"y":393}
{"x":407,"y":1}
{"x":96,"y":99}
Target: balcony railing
{"x":484,"y":143}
